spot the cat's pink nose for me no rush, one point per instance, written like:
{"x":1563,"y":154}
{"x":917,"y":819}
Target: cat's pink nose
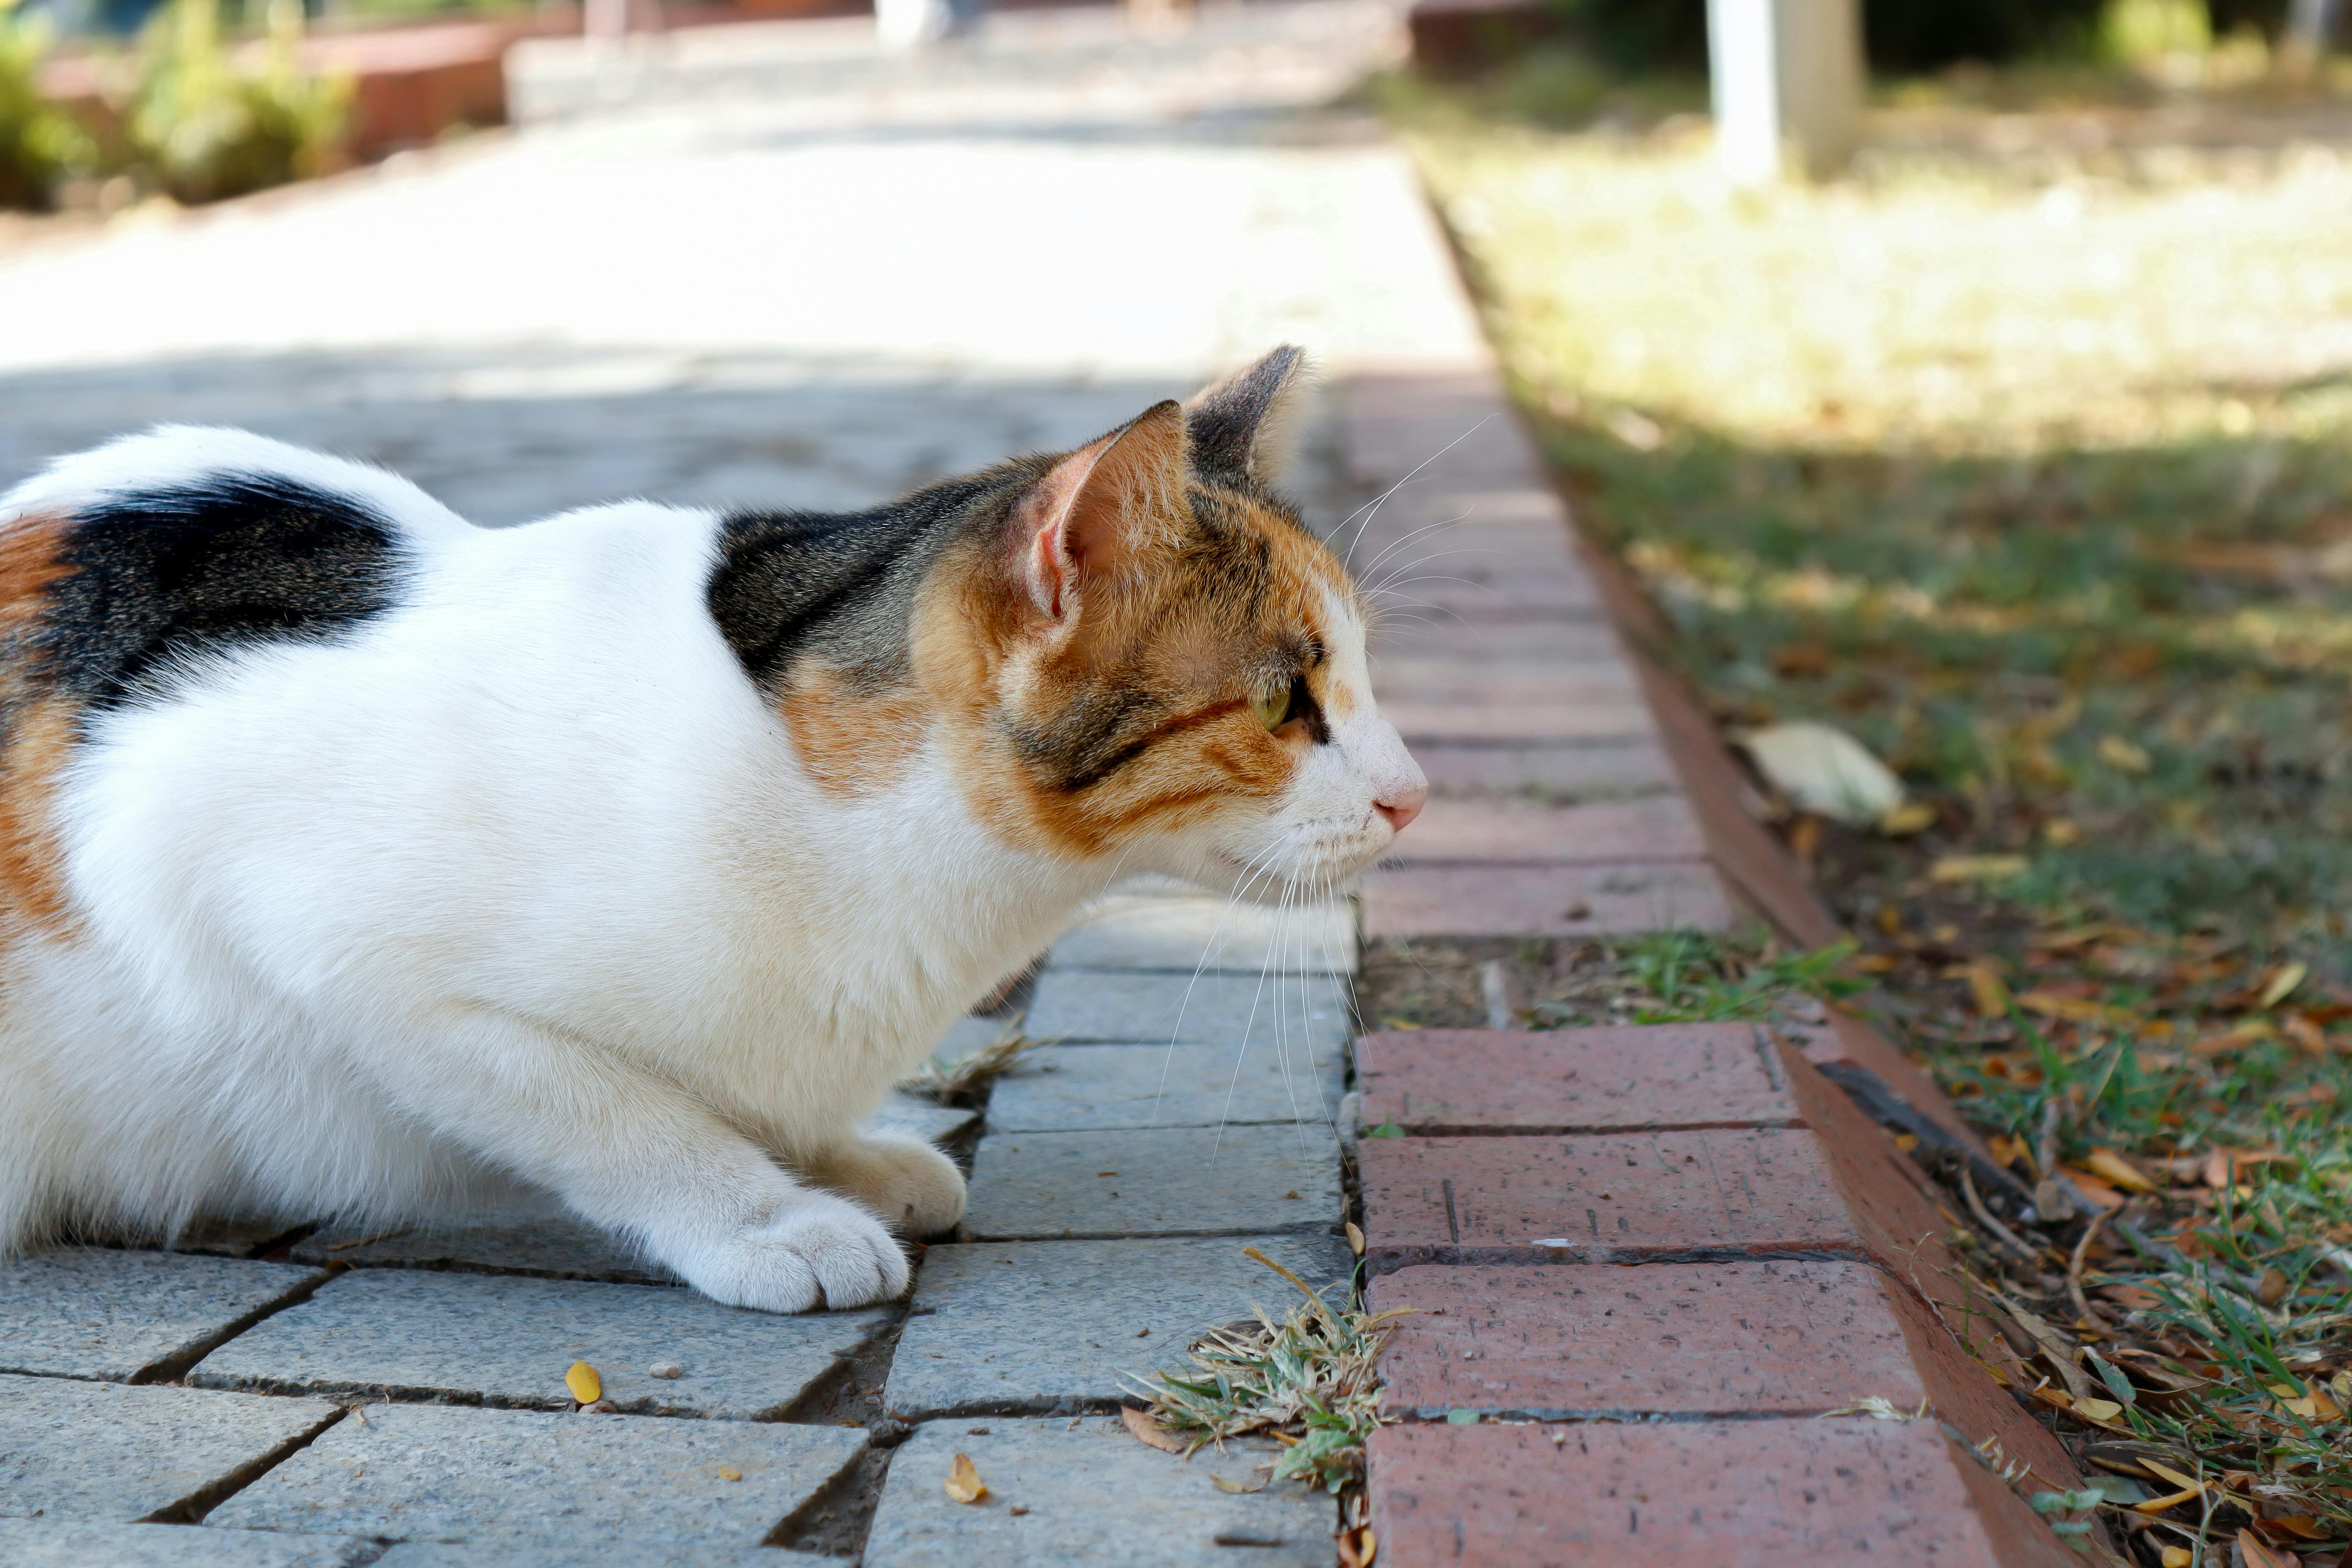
{"x":1403,"y":806}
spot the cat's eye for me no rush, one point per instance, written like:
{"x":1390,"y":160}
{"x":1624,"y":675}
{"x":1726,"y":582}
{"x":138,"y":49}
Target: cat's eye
{"x":1273,"y":707}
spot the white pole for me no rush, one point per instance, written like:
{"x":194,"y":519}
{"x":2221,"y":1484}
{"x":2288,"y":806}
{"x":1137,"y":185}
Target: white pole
{"x":1787,"y":77}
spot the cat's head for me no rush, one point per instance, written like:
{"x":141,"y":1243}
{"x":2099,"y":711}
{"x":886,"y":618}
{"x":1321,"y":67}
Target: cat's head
{"x":1174,"y":668}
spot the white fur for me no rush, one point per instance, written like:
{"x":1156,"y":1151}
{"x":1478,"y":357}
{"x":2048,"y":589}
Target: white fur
{"x":521,"y":879}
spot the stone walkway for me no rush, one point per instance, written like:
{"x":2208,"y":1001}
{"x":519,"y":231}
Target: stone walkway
{"x":783,"y":271}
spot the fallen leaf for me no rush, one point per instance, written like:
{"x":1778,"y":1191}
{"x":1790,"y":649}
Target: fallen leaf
{"x":2307,"y":1038}
{"x":2302,"y":1526}
{"x":963,"y":1482}
{"x":585,"y":1385}
{"x":2174,"y":1556}
{"x":2097,"y":1409}
{"x":2119,"y":1171}
{"x":2156,"y":1505}
{"x":1992,"y":995}
{"x":2258,"y":1555}
{"x":2077,"y":1009}
{"x":1912,"y":816}
{"x":1952,"y":868}
{"x":1223,"y":1485}
{"x":2270,"y":1289}
{"x":1825,"y":771}
{"x":2095,"y":1188}
{"x":2121,"y":755}
{"x":730,"y":1473}
{"x":1149,"y":1431}
{"x":1355,"y":1239}
{"x":2236,"y":1039}
{"x":2283,"y":982}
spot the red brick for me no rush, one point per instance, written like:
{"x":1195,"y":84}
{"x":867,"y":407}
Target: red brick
{"x":1456,"y":1082}
{"x":1542,"y":900}
{"x":1559,"y":771}
{"x":1552,"y":642}
{"x":1707,"y":1194}
{"x":1424,"y":432}
{"x":1664,"y":1339}
{"x":1496,"y":682}
{"x":1756,"y":863}
{"x":1729,"y":1494}
{"x":1656,"y":827}
{"x":1964,"y":1393}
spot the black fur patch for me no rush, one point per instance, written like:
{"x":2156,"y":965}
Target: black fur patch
{"x":189,"y":569}
{"x":843,"y":583}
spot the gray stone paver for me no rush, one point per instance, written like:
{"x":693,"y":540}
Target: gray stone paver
{"x":1052,"y":1326}
{"x":416,"y":1334}
{"x":80,"y":1543}
{"x":1109,"y":1006}
{"x":1092,"y":1494}
{"x":70,"y":1449}
{"x":440,"y":1472}
{"x":529,"y":1237}
{"x":1181,"y":1180}
{"x":1079,"y":1087}
{"x":83,"y":1311}
{"x":588,"y":1555}
{"x":1186,"y":934}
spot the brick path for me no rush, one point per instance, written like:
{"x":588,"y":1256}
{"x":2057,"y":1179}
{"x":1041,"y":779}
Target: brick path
{"x":740,"y":292}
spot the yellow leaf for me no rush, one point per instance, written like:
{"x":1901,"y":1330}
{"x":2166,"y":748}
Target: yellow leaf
{"x":963,"y":1482}
{"x":730,"y":1473}
{"x":2259,"y":1554}
{"x":585,"y":1385}
{"x":1992,"y":995}
{"x":2175,"y":1556}
{"x":2164,"y":1472}
{"x":2156,"y":1505}
{"x":1355,"y":1239}
{"x":2121,"y":755}
{"x":1976,"y":868}
{"x":2283,"y":982}
{"x":2097,"y":1409}
{"x":1148,"y":1430}
{"x":2118,"y":1170}
{"x":1911,"y":816}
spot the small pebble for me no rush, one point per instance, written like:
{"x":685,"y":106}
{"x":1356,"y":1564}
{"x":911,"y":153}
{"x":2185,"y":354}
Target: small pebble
{"x":1017,"y":1510}
{"x":602,"y":1408}
{"x":667,"y":1369}
{"x":730,"y":1473}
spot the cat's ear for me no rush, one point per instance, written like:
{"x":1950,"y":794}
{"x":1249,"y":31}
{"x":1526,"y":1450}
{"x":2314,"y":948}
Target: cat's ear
{"x":1243,"y":427}
{"x":1090,"y":514}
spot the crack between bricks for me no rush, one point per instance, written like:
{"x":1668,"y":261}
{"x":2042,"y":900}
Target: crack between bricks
{"x":180,"y":1362}
{"x":191,"y":1509}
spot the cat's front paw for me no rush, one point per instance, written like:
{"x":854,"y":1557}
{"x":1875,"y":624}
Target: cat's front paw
{"x":822,"y":1252}
{"x":917,"y":1190}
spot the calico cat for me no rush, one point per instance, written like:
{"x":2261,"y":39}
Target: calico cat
{"x":354,"y":860}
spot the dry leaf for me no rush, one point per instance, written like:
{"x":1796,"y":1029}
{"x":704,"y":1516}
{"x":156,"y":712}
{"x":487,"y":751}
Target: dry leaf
{"x":2283,"y":983}
{"x":1355,"y":1239}
{"x":1912,"y":816}
{"x":963,"y":1482}
{"x":2097,"y":1409}
{"x":1825,"y":771}
{"x":1953,"y":868}
{"x":2118,"y":1170}
{"x":2258,"y":1555}
{"x":1236,"y":1488}
{"x":2121,"y":755}
{"x":2096,"y":1188}
{"x":730,"y":1473}
{"x":585,"y":1385}
{"x":1149,"y":1431}
{"x":1992,"y":996}
{"x":2177,"y":1557}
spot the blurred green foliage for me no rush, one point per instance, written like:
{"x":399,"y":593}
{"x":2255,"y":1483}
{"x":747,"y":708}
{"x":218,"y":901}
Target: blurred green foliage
{"x":203,"y":126}
{"x":38,"y":143}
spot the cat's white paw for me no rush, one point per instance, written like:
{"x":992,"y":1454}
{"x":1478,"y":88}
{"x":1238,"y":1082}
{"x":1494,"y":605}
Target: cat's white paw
{"x":822,"y":1252}
{"x":917,"y":1190}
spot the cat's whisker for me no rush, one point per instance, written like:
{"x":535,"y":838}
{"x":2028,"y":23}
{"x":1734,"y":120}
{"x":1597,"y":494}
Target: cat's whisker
{"x":1372,"y":509}
{"x":1402,"y":540}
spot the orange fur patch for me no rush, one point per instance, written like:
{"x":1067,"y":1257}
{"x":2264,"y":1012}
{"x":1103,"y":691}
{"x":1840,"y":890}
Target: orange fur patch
{"x":850,"y":742}
{"x":36,"y":727}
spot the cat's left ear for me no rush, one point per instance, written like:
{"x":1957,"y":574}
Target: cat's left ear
{"x":1243,"y":427}
{"x":1087,"y":520}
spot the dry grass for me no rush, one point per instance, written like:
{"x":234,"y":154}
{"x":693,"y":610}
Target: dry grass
{"x":965,"y":1080}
